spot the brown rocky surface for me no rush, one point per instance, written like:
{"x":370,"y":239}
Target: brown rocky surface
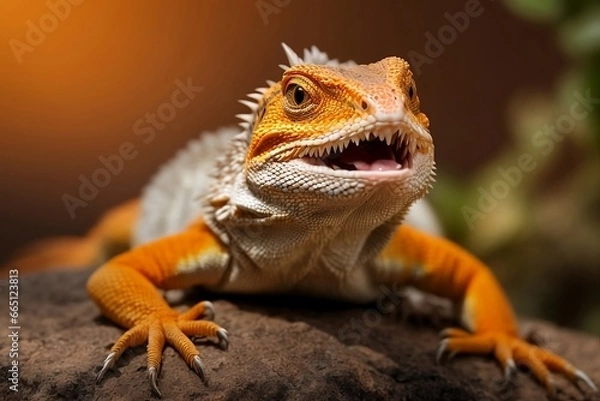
{"x":280,"y":349}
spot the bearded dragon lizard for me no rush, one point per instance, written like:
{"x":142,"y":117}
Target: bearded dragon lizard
{"x":308,"y":199}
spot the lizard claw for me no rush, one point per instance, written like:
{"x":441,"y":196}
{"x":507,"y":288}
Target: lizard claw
{"x":223,"y":339}
{"x":507,"y":349}
{"x":108,"y":363}
{"x":198,"y":367}
{"x":441,"y":350}
{"x":580,"y":376}
{"x":209,"y":311}
{"x":152,"y":374}
{"x":173,"y":329}
{"x":204,"y":310}
{"x":510,"y":370}
{"x":551,"y":389}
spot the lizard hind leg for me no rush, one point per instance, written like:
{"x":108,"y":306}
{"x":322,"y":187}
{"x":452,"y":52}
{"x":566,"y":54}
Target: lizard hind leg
{"x":109,"y":237}
{"x":113,"y":233}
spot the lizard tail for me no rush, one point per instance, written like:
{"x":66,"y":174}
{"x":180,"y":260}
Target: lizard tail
{"x":109,"y":237}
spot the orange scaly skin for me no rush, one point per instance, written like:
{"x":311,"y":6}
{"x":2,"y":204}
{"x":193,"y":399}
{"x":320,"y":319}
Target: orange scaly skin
{"x":308,"y":199}
{"x":440,"y":267}
{"x":125,"y":290}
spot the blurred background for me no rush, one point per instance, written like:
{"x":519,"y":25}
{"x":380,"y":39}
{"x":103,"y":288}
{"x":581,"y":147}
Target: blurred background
{"x":512,"y":89}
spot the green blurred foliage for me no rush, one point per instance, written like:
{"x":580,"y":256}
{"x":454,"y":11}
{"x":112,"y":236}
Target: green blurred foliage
{"x":538,"y":223}
{"x":537,"y":10}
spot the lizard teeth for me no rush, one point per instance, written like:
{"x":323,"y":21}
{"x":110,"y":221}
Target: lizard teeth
{"x":404,"y":153}
{"x":412,"y":146}
{"x":402,"y":144}
{"x":385,"y":134}
{"x":402,"y":141}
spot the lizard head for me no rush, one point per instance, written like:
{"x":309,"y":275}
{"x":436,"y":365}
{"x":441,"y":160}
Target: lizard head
{"x":340,"y":132}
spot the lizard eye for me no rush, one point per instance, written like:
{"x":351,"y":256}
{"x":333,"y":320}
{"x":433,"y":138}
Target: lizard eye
{"x":296,"y":95}
{"x":300,"y":97}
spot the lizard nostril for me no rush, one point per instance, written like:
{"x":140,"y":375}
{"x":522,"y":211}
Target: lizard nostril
{"x":364,"y":105}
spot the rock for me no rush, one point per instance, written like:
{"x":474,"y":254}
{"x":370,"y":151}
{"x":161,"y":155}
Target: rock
{"x":280,"y":349}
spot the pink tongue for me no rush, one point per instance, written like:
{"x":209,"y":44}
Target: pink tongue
{"x":376,"y":165}
{"x":374,"y":157}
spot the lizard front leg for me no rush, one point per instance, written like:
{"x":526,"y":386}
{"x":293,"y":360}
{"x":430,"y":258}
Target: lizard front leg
{"x":126,"y":291}
{"x":440,"y":267}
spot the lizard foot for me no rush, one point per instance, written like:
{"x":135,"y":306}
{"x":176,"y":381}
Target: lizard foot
{"x":174,"y":329}
{"x":510,"y":351}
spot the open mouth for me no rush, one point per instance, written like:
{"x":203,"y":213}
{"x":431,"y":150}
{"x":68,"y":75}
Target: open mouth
{"x":372,"y":151}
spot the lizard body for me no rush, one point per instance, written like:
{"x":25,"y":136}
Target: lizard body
{"x":308,"y":198}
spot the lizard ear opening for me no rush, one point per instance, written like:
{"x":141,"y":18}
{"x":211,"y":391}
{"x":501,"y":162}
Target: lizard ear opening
{"x":411,"y":92}
{"x":412,"y":98}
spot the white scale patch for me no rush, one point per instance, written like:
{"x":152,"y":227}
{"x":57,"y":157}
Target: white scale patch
{"x":172,"y":199}
{"x":201,"y":261}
